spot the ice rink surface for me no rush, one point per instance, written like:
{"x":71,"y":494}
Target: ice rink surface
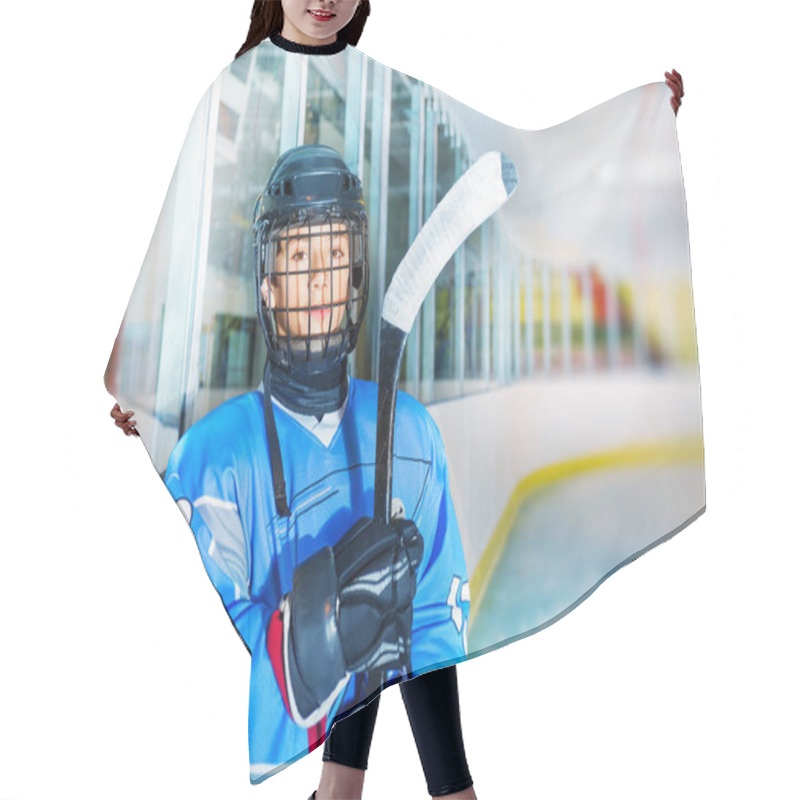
{"x":570,"y":536}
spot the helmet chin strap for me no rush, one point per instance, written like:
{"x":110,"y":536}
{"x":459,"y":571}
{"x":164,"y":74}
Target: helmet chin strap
{"x":274,"y":448}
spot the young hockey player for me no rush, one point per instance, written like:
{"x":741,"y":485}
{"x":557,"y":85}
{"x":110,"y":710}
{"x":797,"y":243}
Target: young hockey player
{"x":278,"y":485}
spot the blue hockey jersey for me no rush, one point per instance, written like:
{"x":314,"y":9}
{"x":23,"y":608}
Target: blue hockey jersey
{"x":219,"y":474}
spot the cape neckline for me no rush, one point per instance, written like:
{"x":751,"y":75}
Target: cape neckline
{"x":317,"y":49}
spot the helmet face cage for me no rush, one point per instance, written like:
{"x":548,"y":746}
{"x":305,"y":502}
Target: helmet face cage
{"x":312,"y":285}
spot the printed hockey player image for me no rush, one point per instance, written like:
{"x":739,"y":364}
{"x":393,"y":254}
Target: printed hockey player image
{"x":278,"y":485}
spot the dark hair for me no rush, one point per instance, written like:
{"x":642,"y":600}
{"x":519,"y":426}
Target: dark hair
{"x":266,"y":18}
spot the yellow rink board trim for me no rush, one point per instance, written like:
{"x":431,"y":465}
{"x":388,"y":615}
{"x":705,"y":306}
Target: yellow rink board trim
{"x":673,"y":451}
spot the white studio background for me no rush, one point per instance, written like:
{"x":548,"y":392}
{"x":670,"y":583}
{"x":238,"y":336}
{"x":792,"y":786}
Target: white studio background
{"x":120,"y":675}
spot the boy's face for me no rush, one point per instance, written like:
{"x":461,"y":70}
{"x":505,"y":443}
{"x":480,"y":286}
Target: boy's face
{"x":309,"y":289}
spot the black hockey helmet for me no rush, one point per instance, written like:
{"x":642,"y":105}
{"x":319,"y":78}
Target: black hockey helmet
{"x":310,"y":231}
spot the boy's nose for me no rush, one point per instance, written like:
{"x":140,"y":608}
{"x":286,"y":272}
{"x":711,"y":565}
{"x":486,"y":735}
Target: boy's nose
{"x":319,"y":272}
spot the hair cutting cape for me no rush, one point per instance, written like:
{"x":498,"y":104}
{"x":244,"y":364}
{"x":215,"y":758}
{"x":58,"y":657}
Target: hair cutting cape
{"x":548,"y":423}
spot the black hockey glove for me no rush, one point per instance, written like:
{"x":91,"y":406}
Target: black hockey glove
{"x":350,"y":610}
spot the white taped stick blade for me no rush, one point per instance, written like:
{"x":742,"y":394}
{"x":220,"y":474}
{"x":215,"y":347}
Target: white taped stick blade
{"x":477,"y":194}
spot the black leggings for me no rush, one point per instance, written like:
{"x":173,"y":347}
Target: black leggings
{"x":432,"y":706}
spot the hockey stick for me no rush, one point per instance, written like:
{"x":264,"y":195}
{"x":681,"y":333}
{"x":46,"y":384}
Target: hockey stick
{"x":477,"y":194}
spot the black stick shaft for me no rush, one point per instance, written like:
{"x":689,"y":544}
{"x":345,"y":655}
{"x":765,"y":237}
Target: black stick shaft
{"x":393,"y":340}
